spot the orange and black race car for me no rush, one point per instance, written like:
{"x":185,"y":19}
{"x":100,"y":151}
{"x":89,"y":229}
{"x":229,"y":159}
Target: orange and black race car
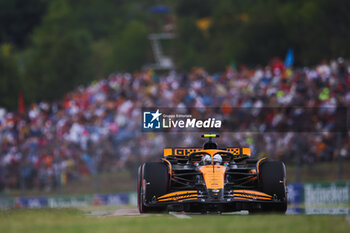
{"x":209,"y":179}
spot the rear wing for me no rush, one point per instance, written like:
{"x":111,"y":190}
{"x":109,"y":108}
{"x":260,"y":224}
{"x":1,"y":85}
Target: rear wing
{"x":185,"y":151}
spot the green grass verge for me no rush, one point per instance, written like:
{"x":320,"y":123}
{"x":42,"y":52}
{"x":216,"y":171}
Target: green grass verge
{"x":73,"y":220}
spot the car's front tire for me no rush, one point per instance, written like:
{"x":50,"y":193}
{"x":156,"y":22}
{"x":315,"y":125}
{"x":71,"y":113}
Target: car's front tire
{"x":153,"y":181}
{"x":272,"y":181}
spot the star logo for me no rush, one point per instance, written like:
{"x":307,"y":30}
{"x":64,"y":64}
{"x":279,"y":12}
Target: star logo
{"x":156,"y":115}
{"x":151,"y":119}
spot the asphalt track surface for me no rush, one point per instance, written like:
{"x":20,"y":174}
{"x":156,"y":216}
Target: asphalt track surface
{"x":183,"y":215}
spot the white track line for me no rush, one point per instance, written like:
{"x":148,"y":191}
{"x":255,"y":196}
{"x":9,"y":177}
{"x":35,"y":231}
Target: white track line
{"x":177,"y":215}
{"x":126,"y":212}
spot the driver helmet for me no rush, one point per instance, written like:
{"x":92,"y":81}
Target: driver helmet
{"x":217,"y":158}
{"x":207,"y":159}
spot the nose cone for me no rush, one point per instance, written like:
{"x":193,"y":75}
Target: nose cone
{"x":214,"y":176}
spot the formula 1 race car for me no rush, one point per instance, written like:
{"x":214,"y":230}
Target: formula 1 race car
{"x":209,"y":179}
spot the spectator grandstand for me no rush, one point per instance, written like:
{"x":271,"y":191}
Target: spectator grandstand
{"x":97,"y":128}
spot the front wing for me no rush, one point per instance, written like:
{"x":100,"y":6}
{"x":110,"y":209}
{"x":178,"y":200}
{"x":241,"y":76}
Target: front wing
{"x":237,"y":199}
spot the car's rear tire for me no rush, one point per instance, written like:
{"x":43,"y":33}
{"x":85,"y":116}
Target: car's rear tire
{"x":272,"y":181}
{"x":156,"y":178}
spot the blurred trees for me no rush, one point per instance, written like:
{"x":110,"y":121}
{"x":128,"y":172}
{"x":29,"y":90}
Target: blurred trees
{"x":9,"y":76}
{"x":130,"y":49}
{"x":18,"y":18}
{"x":61,"y":56}
{"x":50,"y":47}
{"x":254,"y":31}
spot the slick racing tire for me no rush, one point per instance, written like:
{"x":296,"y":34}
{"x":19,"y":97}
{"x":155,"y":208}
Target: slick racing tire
{"x":272,"y":181}
{"x":153,"y":181}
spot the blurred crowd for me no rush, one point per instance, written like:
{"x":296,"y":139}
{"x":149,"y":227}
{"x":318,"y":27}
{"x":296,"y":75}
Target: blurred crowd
{"x":97,"y":128}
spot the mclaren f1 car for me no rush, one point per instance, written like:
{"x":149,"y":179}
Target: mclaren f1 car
{"x":210,"y":179}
